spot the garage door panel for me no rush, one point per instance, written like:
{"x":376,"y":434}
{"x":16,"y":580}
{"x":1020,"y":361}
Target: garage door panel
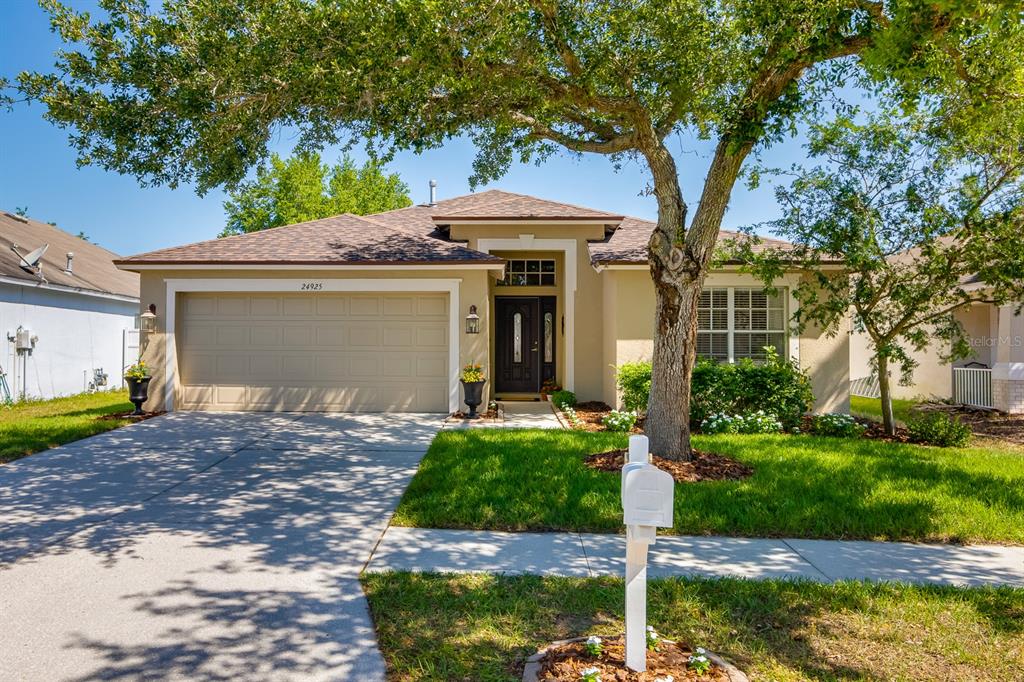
{"x":325,"y":351}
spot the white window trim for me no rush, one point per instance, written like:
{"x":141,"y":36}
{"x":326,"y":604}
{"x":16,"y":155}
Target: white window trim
{"x":733,"y":281}
{"x":527,"y":242}
{"x":177,"y":286}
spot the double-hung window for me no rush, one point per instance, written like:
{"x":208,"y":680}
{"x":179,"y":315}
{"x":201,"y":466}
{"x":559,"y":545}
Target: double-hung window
{"x":738,"y":322}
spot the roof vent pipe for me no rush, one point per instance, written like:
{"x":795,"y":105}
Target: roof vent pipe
{"x":68,"y":268}
{"x":433,"y":192}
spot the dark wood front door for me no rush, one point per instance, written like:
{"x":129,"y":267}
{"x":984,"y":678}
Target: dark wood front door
{"x":517,"y":345}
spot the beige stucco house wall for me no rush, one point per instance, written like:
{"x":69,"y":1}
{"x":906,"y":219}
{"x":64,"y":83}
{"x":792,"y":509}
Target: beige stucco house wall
{"x":604,"y":309}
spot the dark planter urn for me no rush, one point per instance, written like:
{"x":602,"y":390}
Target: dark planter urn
{"x":473,"y":392}
{"x":138,"y":392}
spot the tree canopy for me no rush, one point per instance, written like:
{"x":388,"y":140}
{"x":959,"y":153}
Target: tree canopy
{"x":902,"y":225}
{"x":303,"y":188}
{"x":194,"y":91}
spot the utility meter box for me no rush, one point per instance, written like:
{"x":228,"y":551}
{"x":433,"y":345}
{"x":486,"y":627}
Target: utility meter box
{"x":23,"y":339}
{"x":647,"y":497}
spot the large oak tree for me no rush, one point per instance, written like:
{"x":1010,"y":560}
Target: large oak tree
{"x":194,"y":92}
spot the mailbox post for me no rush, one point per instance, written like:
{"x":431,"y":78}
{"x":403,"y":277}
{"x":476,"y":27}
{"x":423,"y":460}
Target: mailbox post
{"x":646,"y":504}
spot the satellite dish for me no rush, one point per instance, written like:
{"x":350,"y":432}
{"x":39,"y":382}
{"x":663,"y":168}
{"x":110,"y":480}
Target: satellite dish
{"x":30,"y":262}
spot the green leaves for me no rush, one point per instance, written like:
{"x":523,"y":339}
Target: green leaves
{"x":303,"y":188}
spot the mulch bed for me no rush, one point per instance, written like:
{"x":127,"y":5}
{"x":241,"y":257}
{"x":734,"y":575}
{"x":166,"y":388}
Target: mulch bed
{"x":705,"y":466}
{"x":984,"y":423}
{"x":131,"y":417}
{"x":592,"y":412}
{"x":565,"y":663}
{"x":481,"y":414}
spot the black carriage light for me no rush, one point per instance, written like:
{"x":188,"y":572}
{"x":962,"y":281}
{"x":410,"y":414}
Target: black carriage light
{"x":472,"y":321}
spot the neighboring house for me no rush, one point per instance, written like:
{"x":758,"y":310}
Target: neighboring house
{"x":374,"y":313}
{"x":72,"y":310}
{"x":992,"y":376}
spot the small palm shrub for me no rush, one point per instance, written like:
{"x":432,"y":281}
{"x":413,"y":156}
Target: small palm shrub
{"x":837,"y":425}
{"x":938,"y":428}
{"x":564,"y":398}
{"x":619,"y":421}
{"x":751,"y":422}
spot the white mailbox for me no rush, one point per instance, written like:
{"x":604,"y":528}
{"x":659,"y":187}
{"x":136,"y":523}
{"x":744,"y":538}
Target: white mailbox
{"x":647,"y":497}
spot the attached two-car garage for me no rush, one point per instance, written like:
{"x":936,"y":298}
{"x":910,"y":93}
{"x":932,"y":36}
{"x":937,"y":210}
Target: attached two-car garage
{"x":319,"y":350}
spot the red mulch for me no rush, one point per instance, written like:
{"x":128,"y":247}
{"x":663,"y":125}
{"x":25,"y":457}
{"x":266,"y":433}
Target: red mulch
{"x":128,"y":415}
{"x":565,"y":663}
{"x":488,"y":414}
{"x":705,"y":466}
{"x":593,"y":411}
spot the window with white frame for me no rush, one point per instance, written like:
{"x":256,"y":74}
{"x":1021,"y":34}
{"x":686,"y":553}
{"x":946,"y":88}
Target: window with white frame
{"x":736,"y":322}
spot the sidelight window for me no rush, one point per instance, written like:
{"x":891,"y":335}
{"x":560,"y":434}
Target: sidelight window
{"x":517,"y":337}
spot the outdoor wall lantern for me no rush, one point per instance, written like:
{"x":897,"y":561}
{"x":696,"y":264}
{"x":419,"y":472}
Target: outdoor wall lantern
{"x":147,"y":320}
{"x":472,"y":321}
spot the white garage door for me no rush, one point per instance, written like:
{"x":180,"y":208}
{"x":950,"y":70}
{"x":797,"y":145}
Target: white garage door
{"x":369,"y":352}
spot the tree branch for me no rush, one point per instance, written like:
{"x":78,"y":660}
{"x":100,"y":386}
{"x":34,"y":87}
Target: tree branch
{"x":614,"y":145}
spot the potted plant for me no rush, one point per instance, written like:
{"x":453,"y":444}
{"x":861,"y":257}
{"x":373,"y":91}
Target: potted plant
{"x":473,"y":388}
{"x":138,"y":379}
{"x":548,"y":387}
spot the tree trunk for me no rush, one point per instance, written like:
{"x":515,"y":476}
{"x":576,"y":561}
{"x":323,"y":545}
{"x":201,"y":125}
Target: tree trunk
{"x":885,"y":395}
{"x":679,"y":260}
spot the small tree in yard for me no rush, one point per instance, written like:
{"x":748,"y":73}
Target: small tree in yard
{"x":923,"y":226}
{"x":194,"y":91}
{"x":304,"y":188}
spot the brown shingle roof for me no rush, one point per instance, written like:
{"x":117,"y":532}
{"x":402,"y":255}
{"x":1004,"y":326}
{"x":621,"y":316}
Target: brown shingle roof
{"x":340,"y":240}
{"x":92,"y":267}
{"x":628,"y":244}
{"x":499,"y":205}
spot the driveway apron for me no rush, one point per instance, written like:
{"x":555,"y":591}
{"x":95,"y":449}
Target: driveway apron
{"x":202,"y":546}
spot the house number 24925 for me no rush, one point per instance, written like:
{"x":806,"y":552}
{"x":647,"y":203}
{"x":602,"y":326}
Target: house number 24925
{"x":312,"y":286}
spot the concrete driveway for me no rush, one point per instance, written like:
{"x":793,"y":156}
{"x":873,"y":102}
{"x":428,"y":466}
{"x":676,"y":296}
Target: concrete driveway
{"x":202,"y":546}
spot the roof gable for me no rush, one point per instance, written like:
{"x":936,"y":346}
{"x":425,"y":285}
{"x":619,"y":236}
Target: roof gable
{"x":500,"y":205}
{"x":92,"y":268}
{"x":339,"y":240}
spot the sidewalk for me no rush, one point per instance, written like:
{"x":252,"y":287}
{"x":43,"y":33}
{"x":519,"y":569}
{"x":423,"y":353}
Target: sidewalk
{"x":514,"y":415}
{"x":589,"y":555}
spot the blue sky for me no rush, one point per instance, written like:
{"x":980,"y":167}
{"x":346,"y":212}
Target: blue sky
{"x":38,"y":170}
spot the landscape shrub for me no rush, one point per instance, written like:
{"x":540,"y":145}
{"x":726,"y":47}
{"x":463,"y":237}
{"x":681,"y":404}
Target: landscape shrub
{"x":724,"y":388}
{"x":634,"y":380}
{"x":839,"y":425}
{"x":619,"y":421}
{"x":564,"y":398}
{"x":751,"y":422}
{"x":938,"y":428}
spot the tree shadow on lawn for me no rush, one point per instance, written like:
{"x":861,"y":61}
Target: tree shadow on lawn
{"x":475,"y":627}
{"x":817,"y":487}
{"x":802,"y":487}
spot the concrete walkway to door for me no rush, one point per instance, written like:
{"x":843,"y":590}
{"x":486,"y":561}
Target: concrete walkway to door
{"x":202,"y":546}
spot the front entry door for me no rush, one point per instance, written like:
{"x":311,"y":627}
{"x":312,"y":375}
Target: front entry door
{"x":517,"y":345}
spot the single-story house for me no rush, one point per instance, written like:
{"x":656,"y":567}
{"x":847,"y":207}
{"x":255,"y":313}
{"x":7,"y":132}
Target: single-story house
{"x":67,"y":314}
{"x":380,"y":312}
{"x":992,"y":376}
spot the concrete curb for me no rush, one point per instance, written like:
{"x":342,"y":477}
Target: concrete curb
{"x":531,"y":672}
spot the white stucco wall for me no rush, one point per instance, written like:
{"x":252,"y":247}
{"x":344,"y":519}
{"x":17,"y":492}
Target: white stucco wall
{"x":77,"y":333}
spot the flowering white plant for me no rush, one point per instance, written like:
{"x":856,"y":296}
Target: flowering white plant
{"x":699,"y":661}
{"x":594,"y":645}
{"x":840,"y":425}
{"x":619,"y":421}
{"x":752,"y":422}
{"x":590,"y":675}
{"x":570,"y":414}
{"x":652,"y":638}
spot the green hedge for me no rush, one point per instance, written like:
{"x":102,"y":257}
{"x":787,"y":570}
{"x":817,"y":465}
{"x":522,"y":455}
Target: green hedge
{"x":775,"y":385}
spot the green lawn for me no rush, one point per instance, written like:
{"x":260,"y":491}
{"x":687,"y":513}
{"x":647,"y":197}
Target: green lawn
{"x":871,"y":408}
{"x":37,"y":425}
{"x":802,"y":486}
{"x":482,"y":627}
